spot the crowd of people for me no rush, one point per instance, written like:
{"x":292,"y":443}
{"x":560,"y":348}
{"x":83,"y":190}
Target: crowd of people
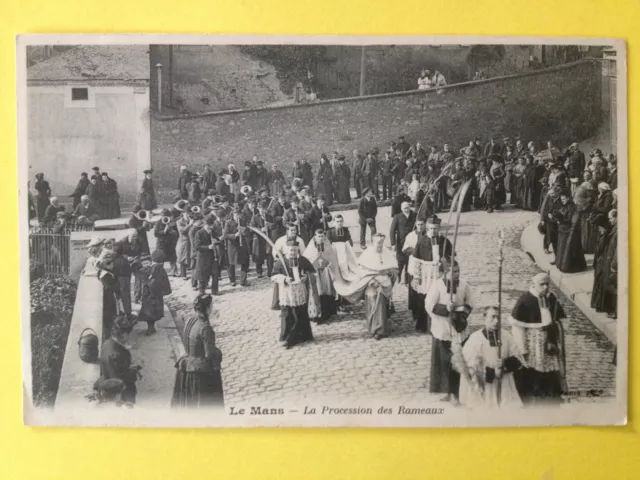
{"x":94,"y":198}
{"x":284,"y":227}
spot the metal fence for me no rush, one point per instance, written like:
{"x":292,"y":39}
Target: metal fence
{"x":51,"y":248}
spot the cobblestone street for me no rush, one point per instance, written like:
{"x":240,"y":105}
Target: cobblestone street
{"x":344,"y":361}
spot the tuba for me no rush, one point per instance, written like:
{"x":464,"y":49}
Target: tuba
{"x":246,"y":190}
{"x":181,"y":205}
{"x":196,"y":209}
{"x":143,"y":215}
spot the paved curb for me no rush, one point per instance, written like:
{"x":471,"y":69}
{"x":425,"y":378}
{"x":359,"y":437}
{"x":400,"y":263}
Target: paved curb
{"x":576,"y":286}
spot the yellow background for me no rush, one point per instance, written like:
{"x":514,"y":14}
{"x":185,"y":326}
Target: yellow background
{"x":26,"y":453}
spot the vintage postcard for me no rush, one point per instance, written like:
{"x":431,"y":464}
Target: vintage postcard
{"x":252,"y":231}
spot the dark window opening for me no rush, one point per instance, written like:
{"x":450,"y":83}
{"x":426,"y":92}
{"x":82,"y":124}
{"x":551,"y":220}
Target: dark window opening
{"x":79,"y":94}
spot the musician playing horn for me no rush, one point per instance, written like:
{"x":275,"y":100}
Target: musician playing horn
{"x":238,"y":238}
{"x":429,"y":250}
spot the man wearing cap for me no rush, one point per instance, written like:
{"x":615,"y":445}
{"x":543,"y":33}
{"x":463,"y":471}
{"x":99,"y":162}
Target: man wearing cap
{"x":493,"y":147}
{"x":538,"y":332}
{"x":166,"y":239}
{"x":293,"y":287}
{"x":208,"y":179}
{"x":319,"y":217}
{"x":386,"y":176}
{"x":207,"y":245}
{"x":429,"y":251}
{"x":367,"y":212}
{"x":342,"y":178}
{"x":322,"y":295}
{"x":400,"y":198}
{"x":198,"y":224}
{"x":42,"y":198}
{"x":156,"y":285}
{"x":238,"y":238}
{"x":276,"y":180}
{"x":80,"y":190}
{"x":249,"y":175}
{"x":147,"y":198}
{"x":401,"y":226}
{"x":370,"y":173}
{"x":260,"y":249}
{"x":358,"y":161}
{"x":403,"y":145}
{"x":449,"y":302}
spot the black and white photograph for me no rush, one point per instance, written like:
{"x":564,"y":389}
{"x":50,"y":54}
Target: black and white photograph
{"x":263,"y":231}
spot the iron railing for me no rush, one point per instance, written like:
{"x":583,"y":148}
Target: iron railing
{"x":51,"y":248}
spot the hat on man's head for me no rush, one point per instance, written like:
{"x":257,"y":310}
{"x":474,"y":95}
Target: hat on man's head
{"x":96,"y":169}
{"x":84,"y":174}
{"x":342,"y":157}
{"x":320,"y":197}
{"x":158,"y":256}
{"x":366,"y":190}
{"x":104,"y":174}
{"x":148,"y":171}
{"x":95,"y":241}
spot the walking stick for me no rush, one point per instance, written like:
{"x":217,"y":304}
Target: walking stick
{"x":499,"y":332}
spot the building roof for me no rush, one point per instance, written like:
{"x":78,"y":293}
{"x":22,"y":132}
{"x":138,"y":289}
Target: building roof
{"x":95,"y":62}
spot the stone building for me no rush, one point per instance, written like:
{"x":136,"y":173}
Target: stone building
{"x":89,"y":106}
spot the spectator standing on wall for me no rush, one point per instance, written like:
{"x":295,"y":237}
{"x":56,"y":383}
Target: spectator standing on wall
{"x":42,"y":198}
{"x":185,"y":177}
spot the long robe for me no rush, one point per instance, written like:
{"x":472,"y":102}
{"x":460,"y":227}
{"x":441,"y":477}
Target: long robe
{"x":325,"y":183}
{"x":539,"y":335}
{"x":426,"y":256}
{"x":342,"y":180}
{"x":295,"y":325}
{"x":320,"y":256}
{"x":42,"y":198}
{"x":166,"y":240}
{"x":569,"y":257}
{"x":147,"y":198}
{"x":443,"y":377}
{"x":155,"y":286}
{"x":111,"y":199}
{"x":480,"y":352}
{"x":603,"y":298}
{"x":198,"y":382}
{"x":380,"y":271}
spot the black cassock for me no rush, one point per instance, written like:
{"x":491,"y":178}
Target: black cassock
{"x":603,"y":294}
{"x":424,"y":251}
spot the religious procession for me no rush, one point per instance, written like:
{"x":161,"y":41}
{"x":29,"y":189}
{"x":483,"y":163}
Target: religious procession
{"x":285,"y":228}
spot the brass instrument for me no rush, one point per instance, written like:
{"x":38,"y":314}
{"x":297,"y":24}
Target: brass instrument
{"x":181,"y":205}
{"x":143,"y":215}
{"x":227,"y":178}
{"x":217,"y":198}
{"x":196,"y":210}
{"x":165,"y":220}
{"x":246,"y":190}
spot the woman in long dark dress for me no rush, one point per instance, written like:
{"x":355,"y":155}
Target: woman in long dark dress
{"x":569,"y":257}
{"x":603,"y":298}
{"x":198,"y":373}
{"x":584,"y":198}
{"x":324,"y":183}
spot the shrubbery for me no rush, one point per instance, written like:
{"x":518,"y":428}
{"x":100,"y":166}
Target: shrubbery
{"x":52,"y":301}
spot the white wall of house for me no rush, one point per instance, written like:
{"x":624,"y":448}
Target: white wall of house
{"x":105,"y":126}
